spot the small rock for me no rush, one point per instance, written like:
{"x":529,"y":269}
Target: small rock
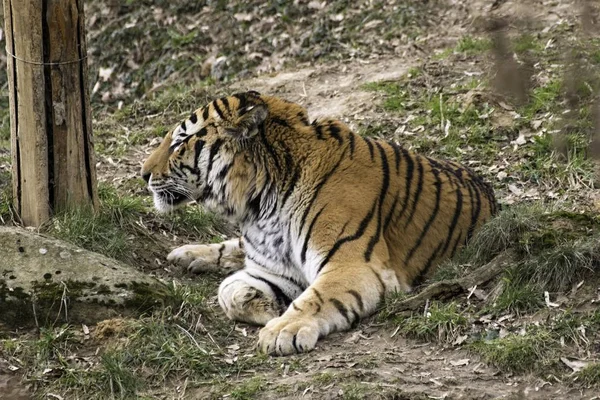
{"x":43,"y":251}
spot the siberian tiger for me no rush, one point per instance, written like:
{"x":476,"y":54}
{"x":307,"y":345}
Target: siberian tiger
{"x":330,"y":221}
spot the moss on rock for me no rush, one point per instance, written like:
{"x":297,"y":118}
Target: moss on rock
{"x":45,"y":281}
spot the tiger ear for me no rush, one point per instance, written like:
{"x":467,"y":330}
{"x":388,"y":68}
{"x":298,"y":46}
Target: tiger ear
{"x":247,"y":125}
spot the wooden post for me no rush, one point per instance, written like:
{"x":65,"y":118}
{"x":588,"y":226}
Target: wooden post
{"x":52,"y":151}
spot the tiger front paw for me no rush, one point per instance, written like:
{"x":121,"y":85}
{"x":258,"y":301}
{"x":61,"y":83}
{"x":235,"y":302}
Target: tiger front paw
{"x":196,"y":258}
{"x":283,"y":336}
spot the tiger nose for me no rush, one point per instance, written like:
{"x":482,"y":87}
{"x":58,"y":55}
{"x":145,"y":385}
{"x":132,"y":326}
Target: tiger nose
{"x":147,"y":176}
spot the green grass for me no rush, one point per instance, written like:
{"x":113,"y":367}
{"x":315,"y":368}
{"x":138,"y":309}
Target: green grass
{"x":323,"y":378}
{"x":555,"y":249}
{"x":517,"y":298}
{"x":184,"y":340}
{"x":527,"y":43}
{"x":455,"y":122}
{"x":6,"y":210}
{"x":557,"y":268}
{"x":123,"y":227}
{"x":470,"y":45}
{"x":355,"y":391}
{"x":543,"y":98}
{"x":519,"y":354}
{"x":396,"y":95}
{"x":446,"y":123}
{"x":443,"y":323}
{"x":249,"y":389}
{"x":111,"y":231}
{"x":589,"y":376}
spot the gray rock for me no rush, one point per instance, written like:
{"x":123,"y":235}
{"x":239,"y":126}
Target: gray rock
{"x":45,"y":281}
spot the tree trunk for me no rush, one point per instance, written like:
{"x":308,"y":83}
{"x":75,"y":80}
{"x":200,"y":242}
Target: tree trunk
{"x":52,"y":152}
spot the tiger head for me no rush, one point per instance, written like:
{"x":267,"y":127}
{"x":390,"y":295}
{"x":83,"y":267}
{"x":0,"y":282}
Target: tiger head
{"x":211,"y":157}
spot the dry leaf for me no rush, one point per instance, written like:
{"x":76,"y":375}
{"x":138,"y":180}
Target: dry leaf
{"x":461,"y":362}
{"x":549,"y":304}
{"x":575,"y":365}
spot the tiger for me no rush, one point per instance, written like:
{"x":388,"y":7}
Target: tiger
{"x":330,"y":221}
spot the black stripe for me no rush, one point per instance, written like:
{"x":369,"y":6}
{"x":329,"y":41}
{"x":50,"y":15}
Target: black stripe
{"x":250,"y":242}
{"x":201,"y":133}
{"x":396,"y":149}
{"x":334,"y":131}
{"x":317,"y":189}
{"x":409,"y":175}
{"x":193,"y":118}
{"x":181,"y":167}
{"x":213,"y":152}
{"x":385,"y":170}
{"x":457,"y":211}
{"x":298,"y":349}
{"x":319,"y":132}
{"x":475,"y":212}
{"x":280,"y":296}
{"x":215,"y":104}
{"x":341,"y":309}
{"x":456,"y":244}
{"x":356,"y":320}
{"x":471,"y":198}
{"x":242,"y":99}
{"x":421,"y":276}
{"x":280,"y":121}
{"x":371,"y":150}
{"x":352,"y":143}
{"x":303,"y":118}
{"x":308,"y":234}
{"x":221,"y":248}
{"x":318,"y":294}
{"x":223,"y":173}
{"x":183,"y":127}
{"x":254,"y":206}
{"x":436,"y":208}
{"x":358,"y":298}
{"x":267,"y":145}
{"x":359,"y":232}
{"x":379,"y":280}
{"x":390,"y":215}
{"x":289,"y":161}
{"x":205,"y":113}
{"x":418,"y":191}
{"x":291,"y":187}
{"x":225,"y":102}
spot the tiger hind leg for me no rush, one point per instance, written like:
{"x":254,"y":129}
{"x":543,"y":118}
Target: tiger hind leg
{"x":255,"y":296}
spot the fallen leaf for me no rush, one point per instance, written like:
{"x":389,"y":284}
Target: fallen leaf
{"x":575,"y":365}
{"x":549,"y":304}
{"x":514,"y":189}
{"x":105,"y":73}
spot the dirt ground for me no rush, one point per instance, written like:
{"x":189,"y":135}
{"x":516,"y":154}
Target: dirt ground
{"x":372,"y":361}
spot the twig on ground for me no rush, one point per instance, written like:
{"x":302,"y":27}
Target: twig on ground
{"x":448,"y":288}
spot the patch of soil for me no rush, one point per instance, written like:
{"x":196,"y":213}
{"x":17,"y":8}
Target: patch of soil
{"x":11,"y":388}
{"x":330,"y":90}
